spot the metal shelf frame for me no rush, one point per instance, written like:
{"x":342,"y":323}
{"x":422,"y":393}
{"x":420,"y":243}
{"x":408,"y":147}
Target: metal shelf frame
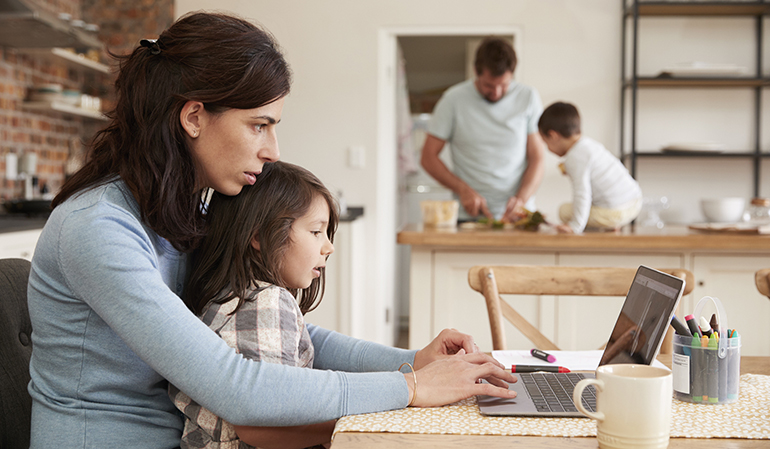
{"x":632,"y":11}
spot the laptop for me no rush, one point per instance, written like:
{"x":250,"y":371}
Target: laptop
{"x":635,"y":338}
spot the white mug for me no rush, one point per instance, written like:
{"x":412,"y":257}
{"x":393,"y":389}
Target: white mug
{"x":633,"y":404}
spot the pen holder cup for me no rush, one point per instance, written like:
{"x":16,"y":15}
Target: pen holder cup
{"x":707,"y":372}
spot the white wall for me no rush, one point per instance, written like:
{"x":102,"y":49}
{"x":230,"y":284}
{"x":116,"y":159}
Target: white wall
{"x":569,"y":50}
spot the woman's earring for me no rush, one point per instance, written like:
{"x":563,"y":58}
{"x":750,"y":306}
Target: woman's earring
{"x":195,"y":133}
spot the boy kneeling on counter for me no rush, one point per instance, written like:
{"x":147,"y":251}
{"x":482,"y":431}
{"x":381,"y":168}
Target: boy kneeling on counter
{"x":604,"y":195}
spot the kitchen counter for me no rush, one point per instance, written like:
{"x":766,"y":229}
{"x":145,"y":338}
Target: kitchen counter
{"x":668,"y":238}
{"x":723,"y":266}
{"x":20,"y":222}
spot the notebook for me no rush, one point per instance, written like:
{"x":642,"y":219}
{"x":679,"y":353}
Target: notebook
{"x":635,"y":338}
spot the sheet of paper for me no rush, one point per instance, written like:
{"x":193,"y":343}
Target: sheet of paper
{"x":573,"y":360}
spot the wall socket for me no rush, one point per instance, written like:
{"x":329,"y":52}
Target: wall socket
{"x":356,"y":156}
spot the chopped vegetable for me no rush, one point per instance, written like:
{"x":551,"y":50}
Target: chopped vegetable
{"x":531,"y":222}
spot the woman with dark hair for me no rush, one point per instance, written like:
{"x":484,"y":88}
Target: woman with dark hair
{"x":196,"y":109}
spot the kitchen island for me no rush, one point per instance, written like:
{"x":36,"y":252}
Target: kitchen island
{"x":723,"y":265}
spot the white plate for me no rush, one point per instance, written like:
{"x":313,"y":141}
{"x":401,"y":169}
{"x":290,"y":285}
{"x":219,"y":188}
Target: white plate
{"x":697,"y":147}
{"x":705,"y":69}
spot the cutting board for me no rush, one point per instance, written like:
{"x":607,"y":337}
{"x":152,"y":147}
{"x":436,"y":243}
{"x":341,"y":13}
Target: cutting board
{"x":731,"y":228}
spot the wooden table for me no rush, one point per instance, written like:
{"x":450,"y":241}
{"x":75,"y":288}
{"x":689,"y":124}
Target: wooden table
{"x":351,"y":440}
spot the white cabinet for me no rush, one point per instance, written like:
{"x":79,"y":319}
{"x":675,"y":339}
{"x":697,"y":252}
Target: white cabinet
{"x":456,"y":305}
{"x":731,"y":279}
{"x":585,"y":322}
{"x":20,"y":244}
{"x":441,"y":298}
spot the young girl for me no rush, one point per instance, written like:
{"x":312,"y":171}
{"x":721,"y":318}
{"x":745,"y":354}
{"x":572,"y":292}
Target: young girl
{"x":257,"y":272}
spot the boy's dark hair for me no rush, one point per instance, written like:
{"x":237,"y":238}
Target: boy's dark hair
{"x":496,"y":55}
{"x":560,"y":117}
{"x":220,"y":60}
{"x":226,"y":264}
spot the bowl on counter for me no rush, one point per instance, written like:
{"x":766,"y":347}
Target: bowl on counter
{"x":723,"y":210}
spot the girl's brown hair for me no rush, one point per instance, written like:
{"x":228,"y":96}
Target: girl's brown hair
{"x":220,"y":60}
{"x":225,"y":265}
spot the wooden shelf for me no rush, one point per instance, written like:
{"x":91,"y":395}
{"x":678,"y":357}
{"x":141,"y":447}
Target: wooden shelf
{"x":27,"y":27}
{"x":696,"y":82}
{"x":698,"y":154}
{"x":724,"y":8}
{"x":55,"y":106}
{"x":72,"y":60}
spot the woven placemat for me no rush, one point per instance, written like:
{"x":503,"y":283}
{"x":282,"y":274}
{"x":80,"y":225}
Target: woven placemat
{"x":749,"y":417}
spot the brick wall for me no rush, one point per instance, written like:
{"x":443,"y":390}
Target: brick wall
{"x":50,"y":135}
{"x":124,"y":22}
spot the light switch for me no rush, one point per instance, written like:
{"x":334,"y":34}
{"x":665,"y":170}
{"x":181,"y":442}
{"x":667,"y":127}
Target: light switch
{"x":356,"y":156}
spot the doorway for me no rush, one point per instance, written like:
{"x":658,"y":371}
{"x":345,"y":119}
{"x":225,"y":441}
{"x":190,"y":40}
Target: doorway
{"x":425,"y":63}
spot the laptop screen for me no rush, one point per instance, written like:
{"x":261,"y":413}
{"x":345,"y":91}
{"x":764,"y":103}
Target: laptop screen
{"x":644,"y":318}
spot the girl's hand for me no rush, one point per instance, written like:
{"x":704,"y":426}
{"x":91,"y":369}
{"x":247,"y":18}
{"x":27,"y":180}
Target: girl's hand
{"x":456,"y":377}
{"x":448,"y":342}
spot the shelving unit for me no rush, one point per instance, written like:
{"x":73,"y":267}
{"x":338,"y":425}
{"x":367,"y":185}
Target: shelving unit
{"x":23,"y":25}
{"x":76,"y":62}
{"x":633,"y":10}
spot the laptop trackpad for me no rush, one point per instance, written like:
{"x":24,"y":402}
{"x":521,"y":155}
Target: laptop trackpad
{"x":521,"y":404}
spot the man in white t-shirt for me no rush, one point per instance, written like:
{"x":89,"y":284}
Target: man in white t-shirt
{"x":490,"y":123}
{"x":604,"y":195}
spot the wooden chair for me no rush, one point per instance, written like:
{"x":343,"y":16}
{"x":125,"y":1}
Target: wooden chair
{"x":491,"y":281}
{"x":763,"y":281}
{"x":15,"y":352}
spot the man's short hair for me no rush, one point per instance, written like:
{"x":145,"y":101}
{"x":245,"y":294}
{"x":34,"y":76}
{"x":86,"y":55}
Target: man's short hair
{"x":560,"y":117}
{"x":495,"y":55}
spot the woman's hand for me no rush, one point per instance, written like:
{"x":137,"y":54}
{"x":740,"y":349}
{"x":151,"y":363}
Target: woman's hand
{"x":456,"y":377}
{"x":448,"y":342}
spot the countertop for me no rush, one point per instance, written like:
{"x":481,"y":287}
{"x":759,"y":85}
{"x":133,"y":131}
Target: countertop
{"x":353,"y":213}
{"x":672,"y":237}
{"x":20,"y":222}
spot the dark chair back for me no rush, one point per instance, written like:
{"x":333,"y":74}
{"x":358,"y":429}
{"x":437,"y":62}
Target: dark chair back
{"x":15,"y":351}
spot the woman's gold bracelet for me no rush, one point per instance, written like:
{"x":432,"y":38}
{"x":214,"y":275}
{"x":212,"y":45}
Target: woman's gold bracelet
{"x":414,"y":376}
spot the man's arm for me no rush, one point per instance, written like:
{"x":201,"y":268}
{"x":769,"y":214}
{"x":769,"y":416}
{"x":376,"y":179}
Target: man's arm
{"x":473,"y":203}
{"x":531,"y":179}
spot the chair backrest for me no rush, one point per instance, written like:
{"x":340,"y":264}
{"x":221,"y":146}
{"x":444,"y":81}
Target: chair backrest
{"x":763,"y":281}
{"x":492,"y":281}
{"x":15,"y":351}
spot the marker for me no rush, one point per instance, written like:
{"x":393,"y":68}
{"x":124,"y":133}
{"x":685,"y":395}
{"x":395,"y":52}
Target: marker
{"x":704,"y":368}
{"x":693,"y":326}
{"x":696,"y":367}
{"x":713,"y":369}
{"x":704,"y":327}
{"x":679,"y":327}
{"x":536,"y":368}
{"x":733,"y":365}
{"x":542,"y":355}
{"x":714,"y":324}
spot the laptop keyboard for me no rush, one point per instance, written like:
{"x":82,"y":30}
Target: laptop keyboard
{"x":552,"y":392}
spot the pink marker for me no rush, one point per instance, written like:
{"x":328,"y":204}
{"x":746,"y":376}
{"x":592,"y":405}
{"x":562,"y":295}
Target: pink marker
{"x":542,"y":355}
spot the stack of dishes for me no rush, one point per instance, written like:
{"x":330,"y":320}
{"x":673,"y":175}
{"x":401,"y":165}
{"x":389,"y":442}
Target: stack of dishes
{"x":54,"y":92}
